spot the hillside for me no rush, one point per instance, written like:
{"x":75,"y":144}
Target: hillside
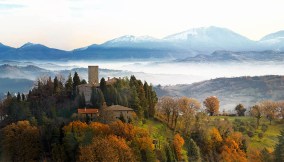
{"x":230,"y":91}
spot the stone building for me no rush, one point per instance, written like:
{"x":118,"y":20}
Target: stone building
{"x":115,"y":112}
{"x":93,"y":81}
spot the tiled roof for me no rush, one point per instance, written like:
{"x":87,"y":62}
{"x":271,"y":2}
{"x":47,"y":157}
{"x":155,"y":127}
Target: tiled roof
{"x":118,"y":108}
{"x":87,"y":111}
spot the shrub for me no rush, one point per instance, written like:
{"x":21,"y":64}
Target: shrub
{"x":250,"y":133}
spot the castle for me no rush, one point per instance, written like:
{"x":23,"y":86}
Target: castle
{"x":93,"y":81}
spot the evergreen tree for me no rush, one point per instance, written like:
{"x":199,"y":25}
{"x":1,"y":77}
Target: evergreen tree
{"x":193,"y":151}
{"x":134,"y":102}
{"x":69,"y":86}
{"x":23,"y":97}
{"x":83,"y":81}
{"x":103,"y":86}
{"x":279,"y":148}
{"x":97,"y":98}
{"x":76,"y":82}
{"x":170,"y":154}
{"x":18,"y":97}
{"x":9,"y":95}
{"x":55,"y":85}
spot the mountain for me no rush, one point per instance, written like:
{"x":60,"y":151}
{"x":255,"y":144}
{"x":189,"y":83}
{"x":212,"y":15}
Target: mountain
{"x":30,"y":51}
{"x":4,"y":48}
{"x":273,"y":41}
{"x":230,"y":91}
{"x":196,"y":41}
{"x":210,"y":39}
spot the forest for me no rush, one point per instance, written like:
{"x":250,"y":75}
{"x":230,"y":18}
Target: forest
{"x":43,"y":125}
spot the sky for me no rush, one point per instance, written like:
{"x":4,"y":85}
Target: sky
{"x":70,"y":24}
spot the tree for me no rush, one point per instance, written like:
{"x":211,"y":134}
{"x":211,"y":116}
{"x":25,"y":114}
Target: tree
{"x":69,"y":86}
{"x":97,"y":98}
{"x":257,"y":112}
{"x":178,"y":143}
{"x":193,"y":151}
{"x":21,"y":141}
{"x":166,"y":105}
{"x":105,"y":149}
{"x":270,"y":109}
{"x":76,"y":82}
{"x":18,"y":97}
{"x":188,"y":108}
{"x":240,"y":110}
{"x":212,"y":105}
{"x":279,"y":148}
{"x":103,"y":86}
{"x":134,"y":102}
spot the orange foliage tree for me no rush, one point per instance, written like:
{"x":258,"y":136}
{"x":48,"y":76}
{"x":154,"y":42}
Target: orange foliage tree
{"x":212,"y":105}
{"x":178,"y":144}
{"x":105,"y":149}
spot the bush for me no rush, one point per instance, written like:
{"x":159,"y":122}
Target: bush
{"x":260,"y":135}
{"x":264,"y":128}
{"x":250,"y":133}
{"x":242,"y":129}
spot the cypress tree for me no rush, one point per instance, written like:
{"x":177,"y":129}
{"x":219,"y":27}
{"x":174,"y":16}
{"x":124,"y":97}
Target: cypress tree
{"x":18,"y":97}
{"x":193,"y":151}
{"x":69,"y":86}
{"x":76,"y":82}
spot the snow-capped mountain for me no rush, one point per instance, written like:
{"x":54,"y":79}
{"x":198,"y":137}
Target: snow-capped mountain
{"x":211,"y":38}
{"x":131,"y":41}
{"x":274,"y":41}
{"x":204,"y":40}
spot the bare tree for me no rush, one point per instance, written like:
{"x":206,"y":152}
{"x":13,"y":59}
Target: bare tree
{"x":257,"y":112}
{"x":270,"y":109}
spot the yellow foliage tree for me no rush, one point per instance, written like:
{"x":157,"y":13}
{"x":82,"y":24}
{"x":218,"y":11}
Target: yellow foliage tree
{"x":21,"y":142}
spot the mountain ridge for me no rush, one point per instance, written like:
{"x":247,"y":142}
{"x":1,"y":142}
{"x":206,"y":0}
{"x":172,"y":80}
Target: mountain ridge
{"x":194,"y":41}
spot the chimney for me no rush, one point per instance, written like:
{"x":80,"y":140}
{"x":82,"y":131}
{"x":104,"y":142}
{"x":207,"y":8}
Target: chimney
{"x":108,"y":78}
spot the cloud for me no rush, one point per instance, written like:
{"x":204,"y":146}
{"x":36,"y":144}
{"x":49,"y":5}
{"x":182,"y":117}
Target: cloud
{"x":5,"y":6}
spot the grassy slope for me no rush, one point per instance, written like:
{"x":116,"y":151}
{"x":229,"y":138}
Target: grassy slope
{"x":270,"y":136}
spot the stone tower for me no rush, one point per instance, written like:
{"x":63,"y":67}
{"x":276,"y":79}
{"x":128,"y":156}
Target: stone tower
{"x":93,"y":74}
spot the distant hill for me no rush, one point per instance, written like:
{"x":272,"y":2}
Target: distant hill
{"x":230,"y":56}
{"x":230,"y":91}
{"x":204,"y":40}
{"x":14,"y":86}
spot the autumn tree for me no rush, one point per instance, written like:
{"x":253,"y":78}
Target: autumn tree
{"x":21,"y":142}
{"x":212,"y":105}
{"x":270,"y":109}
{"x":240,"y":110}
{"x":188,"y":107}
{"x":105,"y":149}
{"x":166,"y":105}
{"x":257,"y":112}
{"x":178,"y":143}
